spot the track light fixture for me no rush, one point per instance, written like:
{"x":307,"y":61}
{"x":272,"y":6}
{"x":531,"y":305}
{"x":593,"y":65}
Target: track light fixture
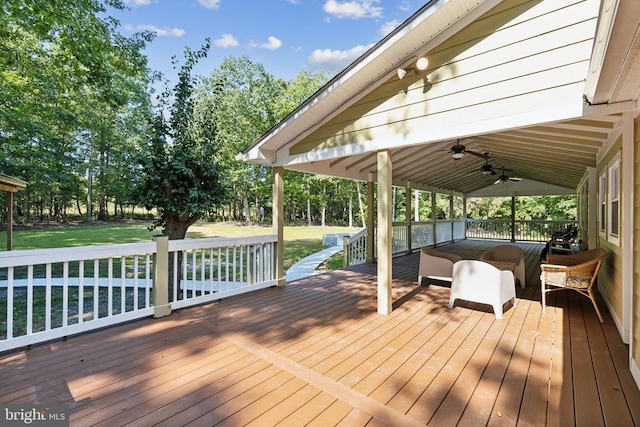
{"x":420,"y":65}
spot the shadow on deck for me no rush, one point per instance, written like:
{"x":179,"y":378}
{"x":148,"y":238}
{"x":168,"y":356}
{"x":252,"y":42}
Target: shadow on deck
{"x":316,"y":353}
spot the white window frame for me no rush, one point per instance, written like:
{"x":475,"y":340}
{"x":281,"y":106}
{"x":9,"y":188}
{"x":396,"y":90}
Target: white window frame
{"x":613,"y":201}
{"x":602,"y":203}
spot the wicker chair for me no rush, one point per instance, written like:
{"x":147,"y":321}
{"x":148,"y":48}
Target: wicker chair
{"x":577,"y":271}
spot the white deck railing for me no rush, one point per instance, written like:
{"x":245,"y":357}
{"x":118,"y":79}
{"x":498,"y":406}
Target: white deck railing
{"x":52,"y":293}
{"x":428,"y":233}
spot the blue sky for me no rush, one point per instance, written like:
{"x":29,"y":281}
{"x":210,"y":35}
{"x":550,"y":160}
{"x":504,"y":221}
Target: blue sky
{"x":285,"y":36}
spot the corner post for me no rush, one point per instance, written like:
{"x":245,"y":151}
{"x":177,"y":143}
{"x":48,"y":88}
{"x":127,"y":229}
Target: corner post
{"x":161,"y":306}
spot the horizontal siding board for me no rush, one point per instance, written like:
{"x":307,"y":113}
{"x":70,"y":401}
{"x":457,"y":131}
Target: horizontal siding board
{"x":530,"y":50}
{"x":464,"y":120}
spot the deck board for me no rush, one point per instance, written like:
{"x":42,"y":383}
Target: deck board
{"x":316,"y":352}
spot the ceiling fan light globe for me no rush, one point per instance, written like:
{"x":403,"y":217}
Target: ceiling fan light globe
{"x":457,"y":156}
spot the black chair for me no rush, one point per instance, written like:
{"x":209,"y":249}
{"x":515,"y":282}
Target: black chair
{"x":564,"y":244}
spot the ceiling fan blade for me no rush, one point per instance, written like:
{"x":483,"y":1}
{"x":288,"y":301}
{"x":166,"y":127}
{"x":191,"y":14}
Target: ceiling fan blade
{"x":475,"y":153}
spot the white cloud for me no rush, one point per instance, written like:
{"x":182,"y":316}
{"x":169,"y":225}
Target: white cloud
{"x":330,"y":60}
{"x":171,"y":32}
{"x":225,"y":41}
{"x":354,"y":9}
{"x":210,"y":4}
{"x":272,"y":44}
{"x":136,"y":3}
{"x":388,"y":27}
{"x":405,"y":6}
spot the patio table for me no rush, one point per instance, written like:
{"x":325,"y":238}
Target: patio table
{"x":502,"y":265}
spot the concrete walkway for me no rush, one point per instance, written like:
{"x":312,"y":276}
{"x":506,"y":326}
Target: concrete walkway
{"x":307,"y":266}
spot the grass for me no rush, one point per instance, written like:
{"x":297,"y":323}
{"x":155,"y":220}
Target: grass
{"x":299,"y":242}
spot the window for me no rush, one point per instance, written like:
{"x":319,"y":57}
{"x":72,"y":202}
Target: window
{"x":614,"y":200}
{"x":602,"y":195}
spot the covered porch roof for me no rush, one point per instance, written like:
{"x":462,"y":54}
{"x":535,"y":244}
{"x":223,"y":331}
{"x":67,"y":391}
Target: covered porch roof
{"x":521,"y":80}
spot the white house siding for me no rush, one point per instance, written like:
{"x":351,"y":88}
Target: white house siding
{"x":610,"y":277}
{"x":522,"y":63}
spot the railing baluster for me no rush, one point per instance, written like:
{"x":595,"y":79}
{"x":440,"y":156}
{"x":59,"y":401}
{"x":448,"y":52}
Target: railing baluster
{"x":65,"y":294}
{"x":123,"y":288}
{"x":110,"y":286}
{"x":147,"y":281}
{"x":96,"y":289}
{"x":226,"y":262}
{"x":80,"y":291}
{"x":30,"y":300}
{"x":47,"y":312}
{"x":210,"y":270}
{"x":9,"y":303}
{"x":134,"y":291}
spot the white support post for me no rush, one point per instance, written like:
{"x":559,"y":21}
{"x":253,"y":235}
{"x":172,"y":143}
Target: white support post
{"x":464,"y":216}
{"x":513,"y":217}
{"x":434,"y":213}
{"x":370,"y":223}
{"x":161,"y":306}
{"x":385,"y":257}
{"x":408,"y":219}
{"x":627,"y":222}
{"x":278,"y":223}
{"x":452,"y":217}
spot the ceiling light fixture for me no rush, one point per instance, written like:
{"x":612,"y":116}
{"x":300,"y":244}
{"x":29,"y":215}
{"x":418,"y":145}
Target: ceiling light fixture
{"x":420,"y":65}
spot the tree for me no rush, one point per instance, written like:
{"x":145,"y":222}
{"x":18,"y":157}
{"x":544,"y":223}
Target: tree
{"x":59,"y":62}
{"x":244,"y":95}
{"x":180,"y":176}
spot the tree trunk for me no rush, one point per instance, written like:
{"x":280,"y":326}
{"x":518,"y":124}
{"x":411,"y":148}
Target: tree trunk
{"x":175,"y":228}
{"x":89,"y":194}
{"x":350,"y":210}
{"x":360,"y":204}
{"x":245,"y":206}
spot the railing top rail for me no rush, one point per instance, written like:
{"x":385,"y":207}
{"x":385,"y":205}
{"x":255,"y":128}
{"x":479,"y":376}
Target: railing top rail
{"x":77,"y":253}
{"x":357,"y":236}
{"x":220,"y":242}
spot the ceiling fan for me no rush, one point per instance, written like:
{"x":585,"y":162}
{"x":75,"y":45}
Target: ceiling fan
{"x":458,"y":151}
{"x":487,"y":169}
{"x":503,"y":176}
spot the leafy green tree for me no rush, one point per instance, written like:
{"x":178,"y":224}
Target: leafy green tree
{"x":238,"y":99}
{"x":180,"y":176}
{"x":56,"y":59}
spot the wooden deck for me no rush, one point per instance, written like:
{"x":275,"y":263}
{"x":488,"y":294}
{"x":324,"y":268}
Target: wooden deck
{"x":316,"y":353}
